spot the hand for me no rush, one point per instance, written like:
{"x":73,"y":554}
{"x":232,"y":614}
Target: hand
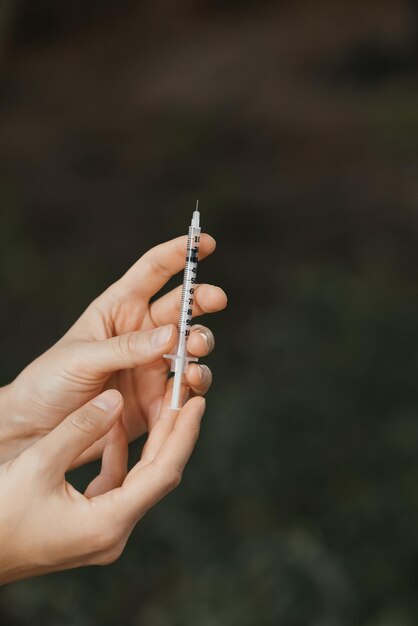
{"x":46,"y":525}
{"x":117,"y":343}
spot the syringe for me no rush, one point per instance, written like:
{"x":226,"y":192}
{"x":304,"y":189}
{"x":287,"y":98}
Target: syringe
{"x":180,"y":360}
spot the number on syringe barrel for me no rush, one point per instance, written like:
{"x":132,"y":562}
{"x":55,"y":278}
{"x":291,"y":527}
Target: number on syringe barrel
{"x":193,"y":255}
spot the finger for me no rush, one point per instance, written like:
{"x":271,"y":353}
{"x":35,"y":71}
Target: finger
{"x":114,"y":463}
{"x":154,"y":411}
{"x":151,"y":272}
{"x":208,"y":299}
{"x":201,"y":341}
{"x":144,"y":488}
{"x":95,"y":451}
{"x":164,"y":472}
{"x":78,"y":431}
{"x":162,"y":427}
{"x":128,"y":350}
{"x":199,"y":378}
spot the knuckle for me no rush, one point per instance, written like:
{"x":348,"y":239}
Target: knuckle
{"x":109,"y":556}
{"x":105,"y":539}
{"x":127,"y":344}
{"x":74,"y":355}
{"x":171,"y":479}
{"x":175,"y":478}
{"x":154,"y":266}
{"x":121,"y":344}
{"x":85,"y":420}
{"x":132,"y":342}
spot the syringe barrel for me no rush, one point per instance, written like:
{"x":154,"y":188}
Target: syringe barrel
{"x":180,"y":360}
{"x":189,"y":288}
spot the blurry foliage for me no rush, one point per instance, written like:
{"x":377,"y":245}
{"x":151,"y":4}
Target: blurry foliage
{"x":394,"y":117}
{"x":300,"y":505}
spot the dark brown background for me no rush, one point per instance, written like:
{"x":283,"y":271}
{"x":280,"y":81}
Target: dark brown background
{"x":296,"y":125}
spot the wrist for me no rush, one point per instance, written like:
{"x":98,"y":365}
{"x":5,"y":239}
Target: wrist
{"x":12,"y":435}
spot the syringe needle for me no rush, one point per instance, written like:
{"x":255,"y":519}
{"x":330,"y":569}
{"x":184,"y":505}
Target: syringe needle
{"x":180,"y":360}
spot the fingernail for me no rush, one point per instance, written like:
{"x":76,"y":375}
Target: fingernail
{"x":204,"y":373}
{"x":160,"y":336}
{"x":108,"y":400}
{"x":202,"y":407}
{"x":186,"y":394}
{"x":206,"y":339}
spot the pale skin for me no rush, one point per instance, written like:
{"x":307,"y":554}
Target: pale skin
{"x":115,"y":348}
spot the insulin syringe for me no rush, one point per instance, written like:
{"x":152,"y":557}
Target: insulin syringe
{"x":180,"y":360}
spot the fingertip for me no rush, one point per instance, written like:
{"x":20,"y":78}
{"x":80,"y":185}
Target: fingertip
{"x":208,"y":241}
{"x":193,"y":376}
{"x":218,"y":298}
{"x":223,"y":296}
{"x":198,"y":404}
{"x":199,"y":377}
{"x":202,"y":406}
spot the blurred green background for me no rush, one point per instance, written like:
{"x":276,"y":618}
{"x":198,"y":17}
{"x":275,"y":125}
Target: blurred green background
{"x":296,"y":126}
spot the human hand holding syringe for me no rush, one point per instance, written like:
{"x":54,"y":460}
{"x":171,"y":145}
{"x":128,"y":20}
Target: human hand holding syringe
{"x":106,"y":381}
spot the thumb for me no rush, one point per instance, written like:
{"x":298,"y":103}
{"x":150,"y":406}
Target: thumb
{"x":79,"y":431}
{"x":131,"y":349}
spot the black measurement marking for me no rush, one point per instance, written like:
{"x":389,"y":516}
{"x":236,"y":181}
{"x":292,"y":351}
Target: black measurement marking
{"x":191,"y":268}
